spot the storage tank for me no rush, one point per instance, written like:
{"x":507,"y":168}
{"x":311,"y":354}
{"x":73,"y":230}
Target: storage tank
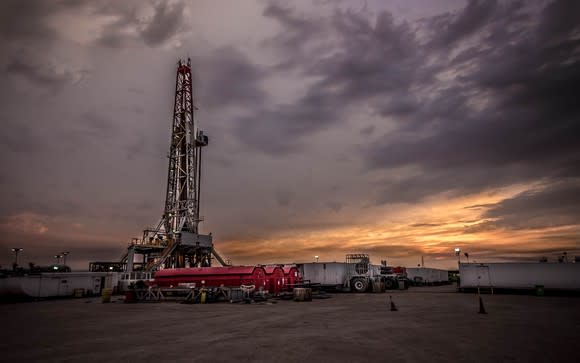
{"x":291,"y":276}
{"x":275,"y":279}
{"x":231,"y":276}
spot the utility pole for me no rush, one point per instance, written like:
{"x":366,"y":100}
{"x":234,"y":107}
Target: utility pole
{"x":64,"y":254}
{"x":16,"y":251}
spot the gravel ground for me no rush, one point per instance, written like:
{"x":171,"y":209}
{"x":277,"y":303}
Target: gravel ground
{"x":431,"y":324}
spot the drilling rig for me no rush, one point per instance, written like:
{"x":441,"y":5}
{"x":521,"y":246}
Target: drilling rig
{"x":175,"y":241}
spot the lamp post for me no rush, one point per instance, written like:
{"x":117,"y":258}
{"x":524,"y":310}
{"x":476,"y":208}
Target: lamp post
{"x":458,"y":254}
{"x":316,"y":257}
{"x":57,"y":259}
{"x":64,"y":254}
{"x":16,"y":250}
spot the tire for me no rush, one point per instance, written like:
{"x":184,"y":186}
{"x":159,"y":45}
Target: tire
{"x":359,"y":285}
{"x":389,"y":284}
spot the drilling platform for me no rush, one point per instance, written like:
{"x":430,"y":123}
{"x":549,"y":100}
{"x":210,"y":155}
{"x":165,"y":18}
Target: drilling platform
{"x":175,"y":241}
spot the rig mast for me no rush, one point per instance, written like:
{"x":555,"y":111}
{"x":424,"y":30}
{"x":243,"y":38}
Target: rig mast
{"x":176,"y":241}
{"x":187,"y":140}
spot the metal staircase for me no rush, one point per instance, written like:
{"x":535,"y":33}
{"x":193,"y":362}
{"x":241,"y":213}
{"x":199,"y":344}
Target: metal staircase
{"x":156,"y":264}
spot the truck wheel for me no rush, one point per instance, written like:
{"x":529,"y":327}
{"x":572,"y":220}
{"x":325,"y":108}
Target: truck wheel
{"x":359,"y":285}
{"x":389,"y":284}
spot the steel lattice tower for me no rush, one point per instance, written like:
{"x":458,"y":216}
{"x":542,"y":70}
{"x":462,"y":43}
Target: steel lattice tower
{"x":176,"y":241}
{"x":183,"y":179}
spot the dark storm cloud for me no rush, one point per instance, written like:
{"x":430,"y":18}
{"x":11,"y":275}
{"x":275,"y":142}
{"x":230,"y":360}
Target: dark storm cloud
{"x":278,"y":131}
{"x":292,"y":39}
{"x":367,"y":131}
{"x":227,"y":77}
{"x":26,"y":20}
{"x":449,"y":28}
{"x":98,"y":124}
{"x":374,"y":60}
{"x":555,"y":205}
{"x":370,"y":60}
{"x":39,"y":74}
{"x":21,"y":139}
{"x":454,"y":180}
{"x":559,"y":19}
{"x":507,"y":114}
{"x":26,"y":40}
{"x":165,"y":24}
{"x":479,"y":206}
{"x":426,"y":225}
{"x":522,"y":128}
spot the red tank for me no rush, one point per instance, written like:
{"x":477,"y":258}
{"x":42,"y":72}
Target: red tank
{"x":275,"y":277}
{"x":213,"y":276}
{"x":291,"y":276}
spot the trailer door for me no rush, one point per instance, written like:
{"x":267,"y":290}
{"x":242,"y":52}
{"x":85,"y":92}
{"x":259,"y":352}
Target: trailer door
{"x":483,"y":279}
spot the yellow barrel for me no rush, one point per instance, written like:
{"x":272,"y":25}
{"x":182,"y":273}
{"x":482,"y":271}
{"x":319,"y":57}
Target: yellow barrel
{"x":203,"y":296}
{"x":106,"y":295}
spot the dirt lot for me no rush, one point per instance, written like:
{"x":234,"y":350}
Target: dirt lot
{"x":432,"y":324}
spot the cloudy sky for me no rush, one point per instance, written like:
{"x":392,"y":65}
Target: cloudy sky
{"x":396,"y":128}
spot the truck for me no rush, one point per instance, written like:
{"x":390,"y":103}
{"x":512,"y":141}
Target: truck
{"x":356,"y":274}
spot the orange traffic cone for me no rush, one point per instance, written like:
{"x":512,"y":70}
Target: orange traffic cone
{"x":393,"y":307}
{"x":481,"y":307}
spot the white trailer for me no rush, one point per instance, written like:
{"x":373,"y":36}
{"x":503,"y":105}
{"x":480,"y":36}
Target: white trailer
{"x":551,"y":276}
{"x":427,"y":276}
{"x":57,"y":284}
{"x":356,"y":274}
{"x":326,"y":274}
